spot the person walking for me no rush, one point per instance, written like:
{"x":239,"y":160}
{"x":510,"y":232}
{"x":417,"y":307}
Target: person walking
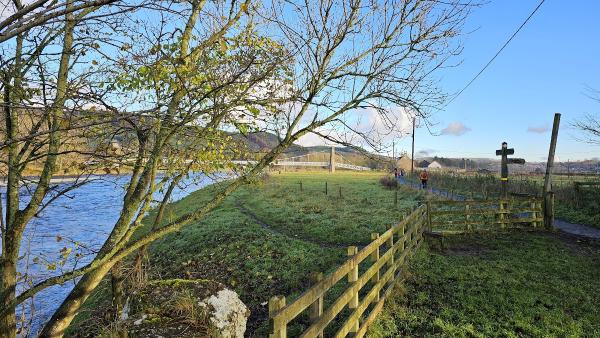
{"x":424,"y":176}
{"x":396,"y":173}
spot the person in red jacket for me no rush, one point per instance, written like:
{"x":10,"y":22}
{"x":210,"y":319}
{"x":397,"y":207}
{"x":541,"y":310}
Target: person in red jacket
{"x":424,"y":176}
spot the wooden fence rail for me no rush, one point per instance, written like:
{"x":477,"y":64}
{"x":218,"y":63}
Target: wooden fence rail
{"x":477,"y":215}
{"x":381,"y":263}
{"x":370,"y":273}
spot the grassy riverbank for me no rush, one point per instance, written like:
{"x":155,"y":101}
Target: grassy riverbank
{"x":267,"y":238}
{"x":514,"y":284}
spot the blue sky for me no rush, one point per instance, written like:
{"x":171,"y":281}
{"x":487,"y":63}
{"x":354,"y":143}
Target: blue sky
{"x":544,"y":70}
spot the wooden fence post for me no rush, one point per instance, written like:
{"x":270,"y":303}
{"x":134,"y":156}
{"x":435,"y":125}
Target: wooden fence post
{"x":374,"y":259}
{"x":534,"y":213}
{"x":340,"y":191}
{"x":429,"y":228}
{"x":549,"y":215}
{"x":402,"y":232}
{"x":502,"y":214}
{"x":277,"y":303}
{"x":467,"y":217}
{"x":325,"y":187}
{"x":301,"y":189}
{"x":390,"y":245}
{"x":352,"y":278}
{"x":316,"y":308}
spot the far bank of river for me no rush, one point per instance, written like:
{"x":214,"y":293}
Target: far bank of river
{"x":79,"y":222}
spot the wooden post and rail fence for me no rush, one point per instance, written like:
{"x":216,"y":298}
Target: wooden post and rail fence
{"x":370,"y":274}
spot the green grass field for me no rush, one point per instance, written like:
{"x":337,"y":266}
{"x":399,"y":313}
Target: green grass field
{"x":267,"y":238}
{"x":513,"y":284}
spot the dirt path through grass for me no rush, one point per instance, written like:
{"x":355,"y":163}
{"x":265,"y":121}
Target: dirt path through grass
{"x":247,"y":212}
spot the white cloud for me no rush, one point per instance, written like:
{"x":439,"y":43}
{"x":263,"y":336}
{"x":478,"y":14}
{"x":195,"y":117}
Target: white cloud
{"x":456,"y":129}
{"x":8,"y":7}
{"x":378,"y":126}
{"x":538,"y":130}
{"x":384,"y":126}
{"x":311,"y":140}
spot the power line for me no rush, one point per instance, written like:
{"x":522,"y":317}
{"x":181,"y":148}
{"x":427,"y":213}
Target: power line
{"x":497,"y":53}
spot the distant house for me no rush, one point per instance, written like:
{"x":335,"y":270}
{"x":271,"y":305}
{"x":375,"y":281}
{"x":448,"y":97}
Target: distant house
{"x":404,"y":162}
{"x":434,"y":165}
{"x":424,"y":164}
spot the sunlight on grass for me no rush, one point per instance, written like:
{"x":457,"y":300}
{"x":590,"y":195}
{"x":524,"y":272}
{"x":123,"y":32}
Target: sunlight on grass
{"x":513,"y":284}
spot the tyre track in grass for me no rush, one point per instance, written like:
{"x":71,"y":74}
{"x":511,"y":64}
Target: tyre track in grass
{"x":270,"y":228}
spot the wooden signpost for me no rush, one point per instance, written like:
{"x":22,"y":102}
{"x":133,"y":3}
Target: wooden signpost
{"x":504,"y":152}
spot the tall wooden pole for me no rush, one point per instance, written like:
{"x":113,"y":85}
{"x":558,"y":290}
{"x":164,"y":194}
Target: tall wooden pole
{"x":412,"y":155}
{"x":332,"y":160}
{"x":548,"y":193}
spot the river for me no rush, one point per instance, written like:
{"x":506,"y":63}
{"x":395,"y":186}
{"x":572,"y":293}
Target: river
{"x":75,"y":226}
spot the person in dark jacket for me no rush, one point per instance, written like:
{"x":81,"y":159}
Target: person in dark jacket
{"x":424,"y":176}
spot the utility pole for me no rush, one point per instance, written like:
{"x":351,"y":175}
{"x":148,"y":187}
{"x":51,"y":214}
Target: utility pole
{"x":332,"y":160}
{"x":412,"y":155}
{"x":548,"y":193}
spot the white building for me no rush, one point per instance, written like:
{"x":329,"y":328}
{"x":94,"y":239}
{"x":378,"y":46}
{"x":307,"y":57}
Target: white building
{"x":434,"y":165}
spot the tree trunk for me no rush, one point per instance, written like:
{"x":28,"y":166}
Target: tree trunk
{"x":11,"y":238}
{"x":8,"y":326}
{"x":61,"y":319}
{"x":118,"y":289}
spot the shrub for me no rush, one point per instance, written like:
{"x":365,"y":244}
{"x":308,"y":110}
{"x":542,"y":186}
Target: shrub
{"x":388,"y":182}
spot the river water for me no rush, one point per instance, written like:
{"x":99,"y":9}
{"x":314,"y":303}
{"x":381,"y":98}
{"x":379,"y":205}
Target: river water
{"x":69,"y":232}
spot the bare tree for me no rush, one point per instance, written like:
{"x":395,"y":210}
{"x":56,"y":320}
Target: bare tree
{"x":590,"y":123}
{"x":290,"y":67}
{"x":21,"y":16}
{"x":44,"y":123}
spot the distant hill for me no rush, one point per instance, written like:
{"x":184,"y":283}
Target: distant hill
{"x":263,"y":141}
